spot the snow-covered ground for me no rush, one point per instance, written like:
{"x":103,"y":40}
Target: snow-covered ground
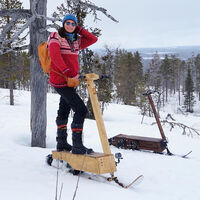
{"x":24,"y":175}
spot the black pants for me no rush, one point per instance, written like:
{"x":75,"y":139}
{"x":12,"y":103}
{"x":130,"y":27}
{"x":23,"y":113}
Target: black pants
{"x":70,"y":100}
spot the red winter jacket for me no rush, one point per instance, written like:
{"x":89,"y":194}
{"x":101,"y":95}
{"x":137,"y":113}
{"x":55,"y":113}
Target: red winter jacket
{"x":63,"y":59}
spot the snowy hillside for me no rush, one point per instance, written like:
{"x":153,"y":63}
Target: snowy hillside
{"x":24,"y":175}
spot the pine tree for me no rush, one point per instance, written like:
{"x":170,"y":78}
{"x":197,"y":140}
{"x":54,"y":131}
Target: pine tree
{"x":105,"y":86}
{"x":189,"y":90}
{"x":21,"y":75}
{"x":128,"y":74}
{"x":166,"y":72}
{"x":153,"y":77}
{"x":123,"y":77}
{"x":174,"y":61}
{"x":138,"y":66}
{"x":197,"y":67}
{"x":10,"y":58}
{"x":183,"y":72}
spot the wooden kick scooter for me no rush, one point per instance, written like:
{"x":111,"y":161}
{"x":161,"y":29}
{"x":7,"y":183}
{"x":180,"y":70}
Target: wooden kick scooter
{"x":96,"y":163}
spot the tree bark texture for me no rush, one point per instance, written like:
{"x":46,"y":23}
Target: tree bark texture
{"x":11,"y":87}
{"x":38,"y":80}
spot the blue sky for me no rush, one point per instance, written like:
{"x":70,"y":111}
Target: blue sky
{"x":145,"y":23}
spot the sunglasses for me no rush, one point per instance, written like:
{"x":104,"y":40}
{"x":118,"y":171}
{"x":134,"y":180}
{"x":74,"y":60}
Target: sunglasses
{"x":68,"y":23}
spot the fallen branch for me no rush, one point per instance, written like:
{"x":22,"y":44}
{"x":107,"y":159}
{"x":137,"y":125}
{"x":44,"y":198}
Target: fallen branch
{"x":180,"y":125}
{"x":169,"y":116}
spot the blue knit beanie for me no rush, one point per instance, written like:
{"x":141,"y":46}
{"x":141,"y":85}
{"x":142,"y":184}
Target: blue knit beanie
{"x":71,"y":17}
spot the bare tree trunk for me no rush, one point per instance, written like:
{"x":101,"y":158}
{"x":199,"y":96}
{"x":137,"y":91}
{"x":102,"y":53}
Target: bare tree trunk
{"x":2,"y":84}
{"x":166,"y":92}
{"x":179,"y":96}
{"x":163,"y":100}
{"x":38,"y":80}
{"x":179,"y":87}
{"x":11,"y":87}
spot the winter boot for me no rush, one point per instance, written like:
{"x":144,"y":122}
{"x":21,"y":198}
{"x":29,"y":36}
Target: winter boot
{"x":78,"y":147}
{"x":62,"y":144}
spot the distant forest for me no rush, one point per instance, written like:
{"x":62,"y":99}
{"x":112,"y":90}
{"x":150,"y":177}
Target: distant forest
{"x":128,"y":80}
